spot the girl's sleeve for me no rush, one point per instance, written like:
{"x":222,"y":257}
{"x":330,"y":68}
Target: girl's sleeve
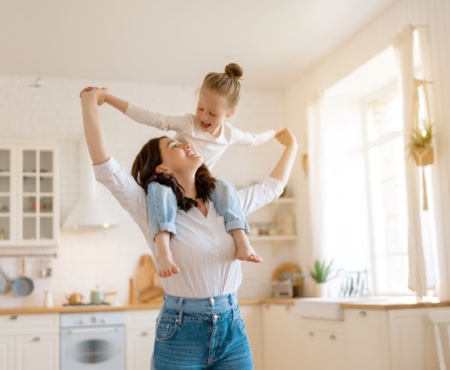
{"x":158,"y":120}
{"x":247,"y":138}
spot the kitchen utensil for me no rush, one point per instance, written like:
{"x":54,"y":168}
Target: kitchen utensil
{"x":75,"y":298}
{"x":98,"y":296}
{"x":5,"y":283}
{"x":23,"y":286}
{"x":48,"y":299}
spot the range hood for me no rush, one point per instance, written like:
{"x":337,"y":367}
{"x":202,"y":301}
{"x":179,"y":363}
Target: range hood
{"x":89,"y":211}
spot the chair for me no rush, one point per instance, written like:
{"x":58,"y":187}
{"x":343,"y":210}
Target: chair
{"x":440,"y":317}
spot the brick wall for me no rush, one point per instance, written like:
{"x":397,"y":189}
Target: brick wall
{"x":108,"y":258}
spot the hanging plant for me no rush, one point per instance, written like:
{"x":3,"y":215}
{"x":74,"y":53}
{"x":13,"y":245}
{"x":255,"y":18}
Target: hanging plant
{"x":421,"y":145}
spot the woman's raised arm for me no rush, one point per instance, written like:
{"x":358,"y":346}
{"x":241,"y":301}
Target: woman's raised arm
{"x":91,"y":98}
{"x":283,"y":168}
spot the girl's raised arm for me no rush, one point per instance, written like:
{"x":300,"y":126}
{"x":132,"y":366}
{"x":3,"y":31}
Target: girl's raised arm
{"x":93,"y":130}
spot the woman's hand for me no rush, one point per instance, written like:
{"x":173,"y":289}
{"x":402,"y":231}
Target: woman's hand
{"x":98,"y":94}
{"x":286,"y":137}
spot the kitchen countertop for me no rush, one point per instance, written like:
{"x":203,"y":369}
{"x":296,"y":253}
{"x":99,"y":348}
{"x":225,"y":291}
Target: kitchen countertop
{"x":366,"y":305}
{"x":126,"y":307}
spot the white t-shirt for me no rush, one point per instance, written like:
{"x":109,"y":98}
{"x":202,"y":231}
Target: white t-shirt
{"x":204,"y":251}
{"x":207,"y":146}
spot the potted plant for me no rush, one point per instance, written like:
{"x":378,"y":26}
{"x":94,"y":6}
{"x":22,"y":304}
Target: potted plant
{"x":420,"y":145}
{"x":320,"y":273}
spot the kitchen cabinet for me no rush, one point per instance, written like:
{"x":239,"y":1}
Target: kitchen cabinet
{"x":323,"y":344}
{"x":29,"y":342}
{"x":275,"y":222}
{"x":141,"y":326}
{"x":399,"y":339}
{"x":281,"y":338}
{"x":29,"y":195}
{"x":251,"y":314}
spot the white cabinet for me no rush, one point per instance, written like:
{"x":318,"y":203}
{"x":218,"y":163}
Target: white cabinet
{"x":281,"y":338}
{"x":29,"y":342}
{"x":400,"y":339}
{"x":141,"y":326}
{"x":251,"y":314}
{"x":323,"y":344}
{"x":29,"y":195}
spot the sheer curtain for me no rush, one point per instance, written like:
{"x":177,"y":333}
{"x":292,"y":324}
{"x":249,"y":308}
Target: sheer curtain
{"x":316,"y":173}
{"x":420,"y":240}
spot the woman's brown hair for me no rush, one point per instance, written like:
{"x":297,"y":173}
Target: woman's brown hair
{"x":144,"y":172}
{"x":226,"y":84}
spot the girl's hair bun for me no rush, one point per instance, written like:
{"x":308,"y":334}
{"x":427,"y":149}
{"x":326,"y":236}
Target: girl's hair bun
{"x":234,"y":71}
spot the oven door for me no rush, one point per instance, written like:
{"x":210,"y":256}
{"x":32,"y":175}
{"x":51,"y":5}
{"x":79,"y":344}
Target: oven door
{"x":99,"y":348}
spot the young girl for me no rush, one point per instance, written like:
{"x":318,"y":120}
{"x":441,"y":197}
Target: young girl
{"x":210,"y":135}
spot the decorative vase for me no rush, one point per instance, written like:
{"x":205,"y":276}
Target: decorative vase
{"x":321,"y":290}
{"x":423,"y":156}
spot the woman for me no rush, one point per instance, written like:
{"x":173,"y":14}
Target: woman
{"x":199,"y":326}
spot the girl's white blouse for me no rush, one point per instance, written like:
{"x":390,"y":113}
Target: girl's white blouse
{"x":202,"y":249}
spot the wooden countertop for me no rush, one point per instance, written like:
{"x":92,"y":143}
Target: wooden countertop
{"x":126,"y":307}
{"x":361,"y":305}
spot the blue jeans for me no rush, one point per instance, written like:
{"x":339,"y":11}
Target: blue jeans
{"x":162,"y":207}
{"x":201,"y":334}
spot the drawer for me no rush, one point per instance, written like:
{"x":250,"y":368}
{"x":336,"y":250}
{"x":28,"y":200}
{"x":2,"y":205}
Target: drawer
{"x":35,"y":323}
{"x":142,"y":319}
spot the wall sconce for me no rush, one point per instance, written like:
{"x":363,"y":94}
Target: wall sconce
{"x":305,"y":164}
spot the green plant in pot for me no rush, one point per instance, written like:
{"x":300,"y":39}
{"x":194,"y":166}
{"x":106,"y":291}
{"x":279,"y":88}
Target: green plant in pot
{"x":420,"y":145}
{"x":320,"y":273}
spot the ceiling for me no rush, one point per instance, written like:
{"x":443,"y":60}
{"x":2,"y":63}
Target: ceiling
{"x":176,"y":41}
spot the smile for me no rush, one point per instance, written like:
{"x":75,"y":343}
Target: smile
{"x":205,"y":125}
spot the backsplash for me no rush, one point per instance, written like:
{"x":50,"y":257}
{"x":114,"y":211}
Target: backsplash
{"x":108,"y":258}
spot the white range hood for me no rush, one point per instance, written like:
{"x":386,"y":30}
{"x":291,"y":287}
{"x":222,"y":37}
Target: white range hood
{"x":89,"y":211}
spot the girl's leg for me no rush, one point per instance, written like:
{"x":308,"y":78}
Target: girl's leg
{"x":226,"y":200}
{"x":161,"y":209}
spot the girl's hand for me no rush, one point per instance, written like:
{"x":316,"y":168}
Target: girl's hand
{"x":98,"y":94}
{"x":286,"y":137}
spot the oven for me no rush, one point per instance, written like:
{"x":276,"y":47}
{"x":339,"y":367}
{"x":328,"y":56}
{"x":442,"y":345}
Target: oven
{"x":94,"y":340}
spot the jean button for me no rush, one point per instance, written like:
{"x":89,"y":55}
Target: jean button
{"x":211,"y":300}
{"x":214,"y":317}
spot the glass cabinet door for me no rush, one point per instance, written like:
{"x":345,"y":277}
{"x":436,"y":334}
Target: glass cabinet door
{"x":6,"y":188}
{"x":37,"y":194}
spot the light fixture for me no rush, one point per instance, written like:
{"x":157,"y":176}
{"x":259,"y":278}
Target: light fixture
{"x":89,"y":211}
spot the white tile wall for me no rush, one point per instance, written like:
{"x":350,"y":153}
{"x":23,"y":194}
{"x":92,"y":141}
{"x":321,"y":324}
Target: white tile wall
{"x":110,"y":257}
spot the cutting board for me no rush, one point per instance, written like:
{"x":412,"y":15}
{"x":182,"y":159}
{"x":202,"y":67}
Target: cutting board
{"x":149,"y":286}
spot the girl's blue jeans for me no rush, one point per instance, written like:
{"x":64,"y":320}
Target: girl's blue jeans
{"x":201,"y":334}
{"x":162,"y":207}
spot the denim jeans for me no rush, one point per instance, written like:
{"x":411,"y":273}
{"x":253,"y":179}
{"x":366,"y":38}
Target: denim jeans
{"x":162,"y":207}
{"x":201,"y":334}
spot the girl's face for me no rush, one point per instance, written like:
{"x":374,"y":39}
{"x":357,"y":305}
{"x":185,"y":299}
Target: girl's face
{"x":212,"y":110}
{"x":177,"y":157}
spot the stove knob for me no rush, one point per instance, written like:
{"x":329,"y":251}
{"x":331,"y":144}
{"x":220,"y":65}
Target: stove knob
{"x":82,"y":322}
{"x":104,"y":320}
{"x":93,"y":319}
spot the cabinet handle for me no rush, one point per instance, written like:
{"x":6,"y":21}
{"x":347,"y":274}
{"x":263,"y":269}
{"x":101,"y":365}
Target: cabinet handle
{"x":332,"y":337}
{"x":14,"y":317}
{"x":311,"y":334}
{"x":363,"y":314}
{"x":36,"y":339}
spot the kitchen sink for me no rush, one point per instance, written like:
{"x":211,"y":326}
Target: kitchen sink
{"x":327,"y":308}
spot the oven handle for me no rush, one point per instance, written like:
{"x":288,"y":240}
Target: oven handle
{"x":91,"y":331}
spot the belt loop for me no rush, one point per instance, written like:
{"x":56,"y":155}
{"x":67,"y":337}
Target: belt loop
{"x":180,"y":313}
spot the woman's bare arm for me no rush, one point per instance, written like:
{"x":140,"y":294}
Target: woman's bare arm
{"x":283,"y":168}
{"x":93,"y":130}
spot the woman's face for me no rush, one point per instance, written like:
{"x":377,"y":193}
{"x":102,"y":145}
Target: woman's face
{"x":178,"y":157}
{"x":212,"y":110}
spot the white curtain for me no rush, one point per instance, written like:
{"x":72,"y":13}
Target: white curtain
{"x":316,"y":173}
{"x":421,"y":276}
